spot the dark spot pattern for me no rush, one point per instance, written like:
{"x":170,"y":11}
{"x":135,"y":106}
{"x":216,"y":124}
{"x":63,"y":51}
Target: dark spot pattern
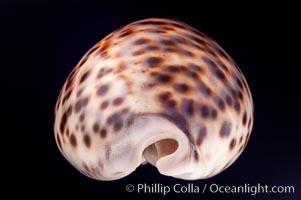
{"x":73,"y":140}
{"x":117,"y":101}
{"x":184,"y":52}
{"x":87,"y":140}
{"x":163,"y":78}
{"x":63,"y":123}
{"x":240,"y":139}
{"x":187,"y":107}
{"x":84,"y":77}
{"x":81,"y":117}
{"x":103,"y":133}
{"x":102,"y":90}
{"x":153,"y":61}
{"x":214,"y":68}
{"x":240,"y":96}
{"x":232,"y":143}
{"x":220,"y":104}
{"x":138,"y":53}
{"x":204,"y":111}
{"x":181,"y":87}
{"x":191,"y":74}
{"x":195,"y":68}
{"x":201,"y":136}
{"x":85,"y":101}
{"x":222,"y":65}
{"x":79,"y":92}
{"x":118,"y":125}
{"x":229,"y":100}
{"x":225,"y":129}
{"x":164,"y":96}
{"x":167,"y":42}
{"x":95,"y":127}
{"x":171,"y":104}
{"x":125,"y":33}
{"x":69,"y":111}
{"x":213,"y":113}
{"x":178,"y":119}
{"x":67,"y":132}
{"x":249,"y":123}
{"x":125,"y":110}
{"x":151,"y":48}
{"x":66,"y":97}
{"x":204,"y":89}
{"x":141,"y":41}
{"x":196,"y":39}
{"x":195,"y":155}
{"x":244,"y":118}
{"x":80,"y":103}
{"x":173,"y":68}
{"x":237,"y":106}
{"x":104,"y":105}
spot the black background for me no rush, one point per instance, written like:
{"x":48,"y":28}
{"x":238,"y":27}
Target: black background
{"x":41,"y":42}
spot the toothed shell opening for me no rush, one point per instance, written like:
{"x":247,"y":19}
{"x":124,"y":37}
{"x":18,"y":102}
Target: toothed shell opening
{"x":164,"y":146}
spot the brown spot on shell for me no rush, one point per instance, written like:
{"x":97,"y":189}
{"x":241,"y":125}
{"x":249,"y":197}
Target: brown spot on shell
{"x":173,"y":68}
{"x":181,"y":87}
{"x":240,"y":139}
{"x":187,"y":106}
{"x":67,"y":132}
{"x":83,"y":128}
{"x":87,"y":140}
{"x":125,"y":33}
{"x":95,"y":127}
{"x":141,"y":41}
{"x":82,"y":117}
{"x":103,"y":133}
{"x":229,"y":100}
{"x":79,"y":92}
{"x":80,"y":103}
{"x":138,"y":52}
{"x":195,"y":68}
{"x":153,"y":61}
{"x":167,"y":42}
{"x":151,"y":48}
{"x":104,"y":104}
{"x":244,"y":118}
{"x":201,"y":136}
{"x":220,"y":103}
{"x":204,"y":89}
{"x":213,"y":113}
{"x":232,"y":143}
{"x":84,"y":77}
{"x":225,"y":129}
{"x":117,"y":101}
{"x":204,"y":111}
{"x":69,"y":111}
{"x":118,"y":125}
{"x":102,"y":90}
{"x":237,"y":106}
{"x":163,"y":78}
{"x":73,"y":140}
{"x":164,"y":96}
{"x":184,"y":52}
{"x":63,"y":123}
